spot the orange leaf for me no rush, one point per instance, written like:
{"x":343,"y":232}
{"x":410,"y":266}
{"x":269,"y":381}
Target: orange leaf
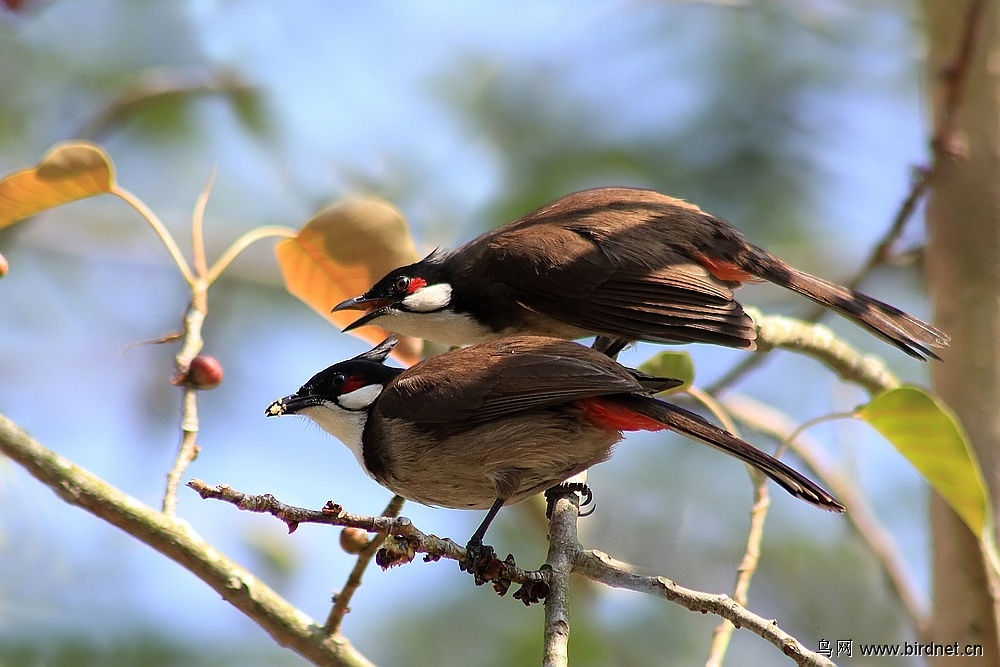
{"x":340,"y":253}
{"x":69,"y":171}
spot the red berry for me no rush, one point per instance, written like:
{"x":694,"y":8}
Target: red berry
{"x":204,"y":373}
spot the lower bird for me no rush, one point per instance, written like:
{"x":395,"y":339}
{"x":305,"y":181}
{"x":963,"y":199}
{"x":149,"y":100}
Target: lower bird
{"x":495,"y":423}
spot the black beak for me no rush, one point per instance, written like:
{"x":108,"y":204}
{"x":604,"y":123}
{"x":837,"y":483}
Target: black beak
{"x":290,"y":405}
{"x":375,"y":307}
{"x":354,"y":303}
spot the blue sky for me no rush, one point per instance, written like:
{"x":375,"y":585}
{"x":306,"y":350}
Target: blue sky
{"x":360,"y":93}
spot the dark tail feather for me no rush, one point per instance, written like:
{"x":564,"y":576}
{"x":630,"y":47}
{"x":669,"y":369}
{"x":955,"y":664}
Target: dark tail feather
{"x":695,"y":426}
{"x":906,"y":332}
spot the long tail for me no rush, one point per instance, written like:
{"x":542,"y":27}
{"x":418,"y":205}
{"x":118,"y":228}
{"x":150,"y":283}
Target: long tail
{"x":694,"y":426}
{"x":906,"y":332}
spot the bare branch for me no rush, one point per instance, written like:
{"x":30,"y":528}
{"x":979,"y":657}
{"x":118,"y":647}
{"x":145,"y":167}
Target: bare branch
{"x":414,"y":540}
{"x":197,"y":228}
{"x":767,"y":419}
{"x":603,"y":568}
{"x":176,"y":540}
{"x":593,"y":564}
{"x":751,"y":555}
{"x":819,"y":342}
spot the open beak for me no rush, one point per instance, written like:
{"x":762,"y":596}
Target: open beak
{"x":354,"y":303}
{"x":374,"y":307}
{"x":290,"y":405}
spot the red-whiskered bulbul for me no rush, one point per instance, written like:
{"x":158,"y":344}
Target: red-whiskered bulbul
{"x":494,"y":423}
{"x":624,"y":263}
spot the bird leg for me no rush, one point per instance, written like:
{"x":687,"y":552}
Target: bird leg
{"x":610,"y":346}
{"x":477,"y":555}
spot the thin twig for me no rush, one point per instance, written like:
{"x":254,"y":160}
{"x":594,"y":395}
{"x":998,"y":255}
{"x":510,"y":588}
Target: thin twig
{"x":605,"y":569}
{"x":193,"y":343}
{"x":771,"y":421}
{"x":343,"y":599}
{"x":159,"y":228}
{"x":592,"y":564}
{"x":187,"y":452}
{"x":755,"y":536}
{"x":714,"y":407}
{"x":176,"y":540}
{"x":242,"y":243}
{"x":746,"y":569}
{"x":198,"y":226}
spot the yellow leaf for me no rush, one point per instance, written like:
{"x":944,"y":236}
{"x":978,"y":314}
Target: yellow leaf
{"x":340,"y":253}
{"x":68,"y":172}
{"x":928,"y":434}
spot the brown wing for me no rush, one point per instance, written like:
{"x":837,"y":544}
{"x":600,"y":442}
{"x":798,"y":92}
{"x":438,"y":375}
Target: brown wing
{"x":621,"y":275}
{"x":475,"y":384}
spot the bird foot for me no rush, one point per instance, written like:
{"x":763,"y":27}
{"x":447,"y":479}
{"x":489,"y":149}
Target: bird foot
{"x":586,"y":496}
{"x":481,"y":561}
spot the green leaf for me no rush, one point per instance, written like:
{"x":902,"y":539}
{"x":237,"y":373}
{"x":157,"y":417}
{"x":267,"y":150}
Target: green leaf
{"x":670,"y":365}
{"x":929,"y":435}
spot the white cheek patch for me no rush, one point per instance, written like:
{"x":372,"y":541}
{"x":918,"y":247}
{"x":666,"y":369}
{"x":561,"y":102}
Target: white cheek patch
{"x":429,"y":299}
{"x":360,"y":399}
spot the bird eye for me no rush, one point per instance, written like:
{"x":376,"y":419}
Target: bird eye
{"x":402,"y":284}
{"x":338,"y":380}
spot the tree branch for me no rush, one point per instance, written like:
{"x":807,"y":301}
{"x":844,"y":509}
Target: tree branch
{"x":563,"y":545}
{"x":603,"y":568}
{"x":819,"y":342}
{"x":411,"y":540}
{"x":175,"y":539}
{"x":592,"y":564}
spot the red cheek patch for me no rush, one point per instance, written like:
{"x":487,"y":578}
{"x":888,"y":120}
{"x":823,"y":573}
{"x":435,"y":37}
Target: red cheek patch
{"x":608,"y":415}
{"x":415,"y":284}
{"x":725,"y":271}
{"x":352,"y":383}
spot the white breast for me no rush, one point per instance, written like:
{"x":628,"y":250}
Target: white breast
{"x":348,"y":426}
{"x":443,"y":326}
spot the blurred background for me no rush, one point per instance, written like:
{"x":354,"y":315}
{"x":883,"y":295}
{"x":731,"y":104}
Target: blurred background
{"x":800,"y":121}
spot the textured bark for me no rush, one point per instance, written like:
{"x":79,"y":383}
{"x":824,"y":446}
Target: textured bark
{"x":963,"y":263}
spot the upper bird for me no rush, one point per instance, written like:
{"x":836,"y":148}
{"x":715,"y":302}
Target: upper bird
{"x":625,"y":263}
